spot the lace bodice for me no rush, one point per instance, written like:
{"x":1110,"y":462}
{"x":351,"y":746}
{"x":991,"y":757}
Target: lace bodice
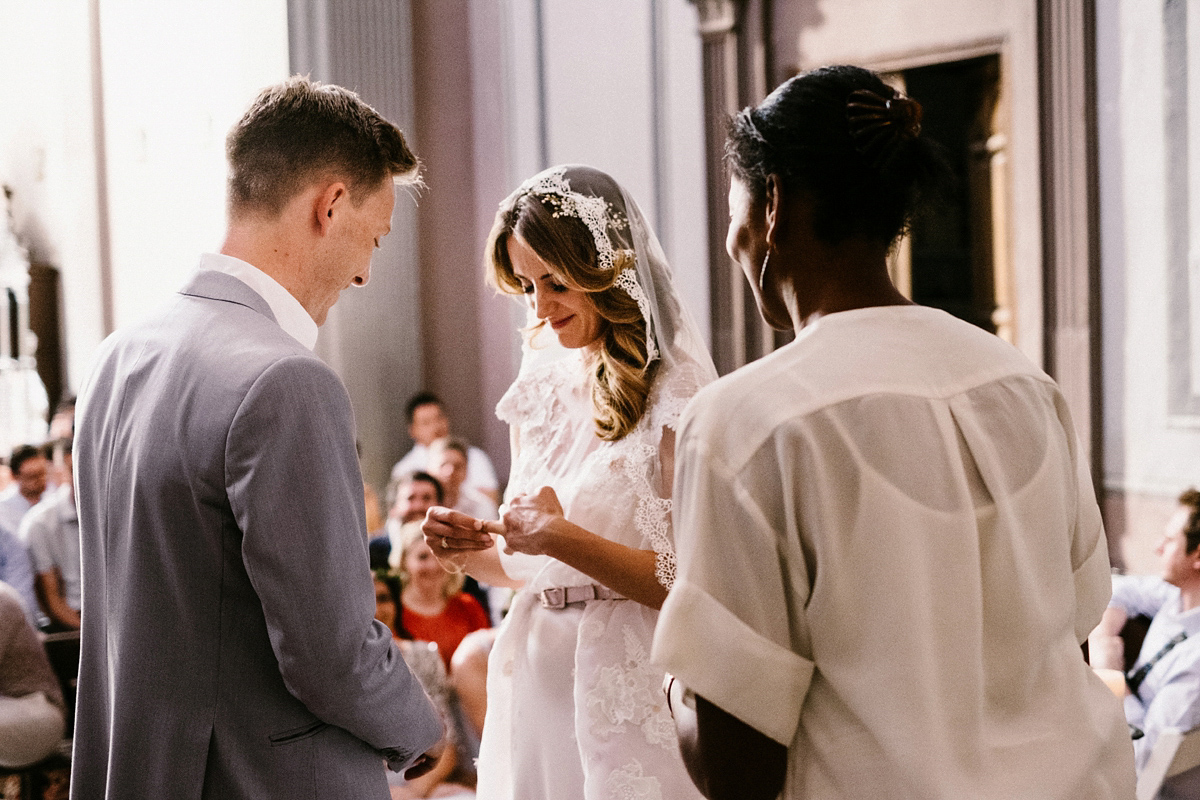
{"x":613,"y":489}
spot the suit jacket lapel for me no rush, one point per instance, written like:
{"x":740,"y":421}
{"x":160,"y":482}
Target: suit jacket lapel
{"x":214,"y":285}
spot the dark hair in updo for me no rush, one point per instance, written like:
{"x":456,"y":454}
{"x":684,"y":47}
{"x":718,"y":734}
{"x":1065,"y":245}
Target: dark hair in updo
{"x":802,"y":133}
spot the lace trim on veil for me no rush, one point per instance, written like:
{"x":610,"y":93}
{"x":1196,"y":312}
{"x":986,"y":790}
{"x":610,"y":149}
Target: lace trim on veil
{"x":668,"y":397}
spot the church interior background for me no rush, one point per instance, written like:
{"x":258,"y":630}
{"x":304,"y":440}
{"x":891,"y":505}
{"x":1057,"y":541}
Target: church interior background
{"x":1074,"y":232}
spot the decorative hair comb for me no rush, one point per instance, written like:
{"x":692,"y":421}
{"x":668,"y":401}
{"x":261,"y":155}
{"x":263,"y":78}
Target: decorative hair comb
{"x":878,"y":125}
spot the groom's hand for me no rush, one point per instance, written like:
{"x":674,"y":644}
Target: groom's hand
{"x":425,"y":761}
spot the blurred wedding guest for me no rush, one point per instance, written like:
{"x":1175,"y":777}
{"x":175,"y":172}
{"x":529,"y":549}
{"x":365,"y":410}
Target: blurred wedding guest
{"x":375,"y":518}
{"x":32,"y":714}
{"x":427,"y":421}
{"x":468,"y":676}
{"x":16,"y":570}
{"x":30,"y":469}
{"x":374,"y":514}
{"x":454,"y":773}
{"x":889,"y":548}
{"x":433,"y":607}
{"x":408,"y":498}
{"x":62,"y":424}
{"x":51,"y":533}
{"x":1163,"y":687}
{"x":448,"y":463}
{"x":411,"y":496}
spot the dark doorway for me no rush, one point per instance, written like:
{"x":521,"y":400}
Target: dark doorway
{"x":953,"y":252}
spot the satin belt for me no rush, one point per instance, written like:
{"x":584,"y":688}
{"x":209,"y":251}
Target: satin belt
{"x":559,"y":597}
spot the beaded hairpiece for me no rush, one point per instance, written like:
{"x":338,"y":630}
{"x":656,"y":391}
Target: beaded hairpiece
{"x":599,"y":215}
{"x":878,"y":125}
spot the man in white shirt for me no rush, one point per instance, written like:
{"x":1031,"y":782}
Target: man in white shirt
{"x":30,"y":469}
{"x":408,"y":498}
{"x":51,"y":532}
{"x":427,"y":422}
{"x":1163,"y":687}
{"x":448,"y":460}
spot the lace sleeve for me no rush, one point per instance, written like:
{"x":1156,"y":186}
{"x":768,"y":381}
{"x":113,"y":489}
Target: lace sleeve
{"x":669,"y":397}
{"x":673,"y":393}
{"x":652,"y":516}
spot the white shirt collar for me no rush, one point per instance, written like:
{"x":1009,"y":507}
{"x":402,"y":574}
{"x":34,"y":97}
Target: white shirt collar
{"x":288,"y":312}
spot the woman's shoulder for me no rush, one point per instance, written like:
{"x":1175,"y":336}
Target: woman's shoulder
{"x":673,"y":388}
{"x":530,"y":397}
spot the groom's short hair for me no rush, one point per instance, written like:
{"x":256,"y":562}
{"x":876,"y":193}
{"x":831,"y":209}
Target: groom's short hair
{"x":299,"y":131}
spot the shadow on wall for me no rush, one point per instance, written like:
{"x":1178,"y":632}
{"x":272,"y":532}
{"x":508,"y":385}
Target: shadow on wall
{"x":793,"y":18}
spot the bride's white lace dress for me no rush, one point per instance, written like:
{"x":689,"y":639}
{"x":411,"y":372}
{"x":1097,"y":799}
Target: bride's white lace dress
{"x":574,"y":708}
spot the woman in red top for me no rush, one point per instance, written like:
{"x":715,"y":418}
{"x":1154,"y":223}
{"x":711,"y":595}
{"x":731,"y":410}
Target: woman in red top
{"x":433,"y":607}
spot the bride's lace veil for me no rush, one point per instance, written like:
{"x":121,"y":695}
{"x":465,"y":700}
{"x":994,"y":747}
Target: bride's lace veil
{"x":617,"y":223}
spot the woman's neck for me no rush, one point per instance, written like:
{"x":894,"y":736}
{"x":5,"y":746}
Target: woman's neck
{"x":423,"y":599}
{"x":842,"y":277}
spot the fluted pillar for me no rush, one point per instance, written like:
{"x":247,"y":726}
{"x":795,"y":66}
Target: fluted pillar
{"x":1070,"y":213}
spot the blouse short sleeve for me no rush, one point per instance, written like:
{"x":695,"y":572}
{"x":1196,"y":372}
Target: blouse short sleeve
{"x":722,"y":616}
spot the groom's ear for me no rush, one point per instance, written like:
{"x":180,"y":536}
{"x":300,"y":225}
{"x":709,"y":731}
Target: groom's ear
{"x":328,"y":205}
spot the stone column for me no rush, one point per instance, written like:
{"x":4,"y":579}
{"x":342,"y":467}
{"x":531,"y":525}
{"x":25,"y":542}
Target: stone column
{"x":1070,"y":213}
{"x":718,"y":33}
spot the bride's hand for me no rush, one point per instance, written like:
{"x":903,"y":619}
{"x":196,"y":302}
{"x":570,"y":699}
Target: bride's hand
{"x":528,"y":521}
{"x":452,"y":534}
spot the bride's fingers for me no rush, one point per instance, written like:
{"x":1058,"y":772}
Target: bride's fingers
{"x":457,"y":544}
{"x":448,"y":517}
{"x":491,"y":526}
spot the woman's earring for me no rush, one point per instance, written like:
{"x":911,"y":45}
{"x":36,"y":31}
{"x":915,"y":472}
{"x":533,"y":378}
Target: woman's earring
{"x":762,"y":273}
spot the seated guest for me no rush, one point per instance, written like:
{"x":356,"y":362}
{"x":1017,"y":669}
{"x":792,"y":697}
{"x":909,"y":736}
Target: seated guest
{"x":454,"y":770}
{"x":427,"y":421}
{"x":433,"y":607}
{"x":32,"y":717}
{"x":17,"y":571}
{"x":62,"y":424}
{"x":448,"y":463}
{"x":51,"y":532}
{"x":374,"y":518}
{"x":371,"y":501}
{"x":408,"y":498}
{"x":468,"y":677}
{"x":1163,"y":687}
{"x":30,"y":469}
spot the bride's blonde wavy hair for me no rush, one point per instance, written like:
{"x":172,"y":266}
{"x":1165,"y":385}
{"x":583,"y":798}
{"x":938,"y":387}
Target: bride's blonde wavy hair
{"x":621,"y":370}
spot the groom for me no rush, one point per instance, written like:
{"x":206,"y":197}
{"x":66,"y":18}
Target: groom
{"x":229,"y":646}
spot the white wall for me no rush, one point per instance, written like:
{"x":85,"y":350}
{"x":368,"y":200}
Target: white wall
{"x":47,"y":156}
{"x":1150,"y":452}
{"x":622,"y":93}
{"x":175,"y":76}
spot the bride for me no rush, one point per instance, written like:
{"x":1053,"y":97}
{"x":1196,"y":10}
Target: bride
{"x":611,"y":358}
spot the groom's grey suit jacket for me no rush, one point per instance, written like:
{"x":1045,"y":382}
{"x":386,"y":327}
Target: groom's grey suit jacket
{"x":229,"y":645}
